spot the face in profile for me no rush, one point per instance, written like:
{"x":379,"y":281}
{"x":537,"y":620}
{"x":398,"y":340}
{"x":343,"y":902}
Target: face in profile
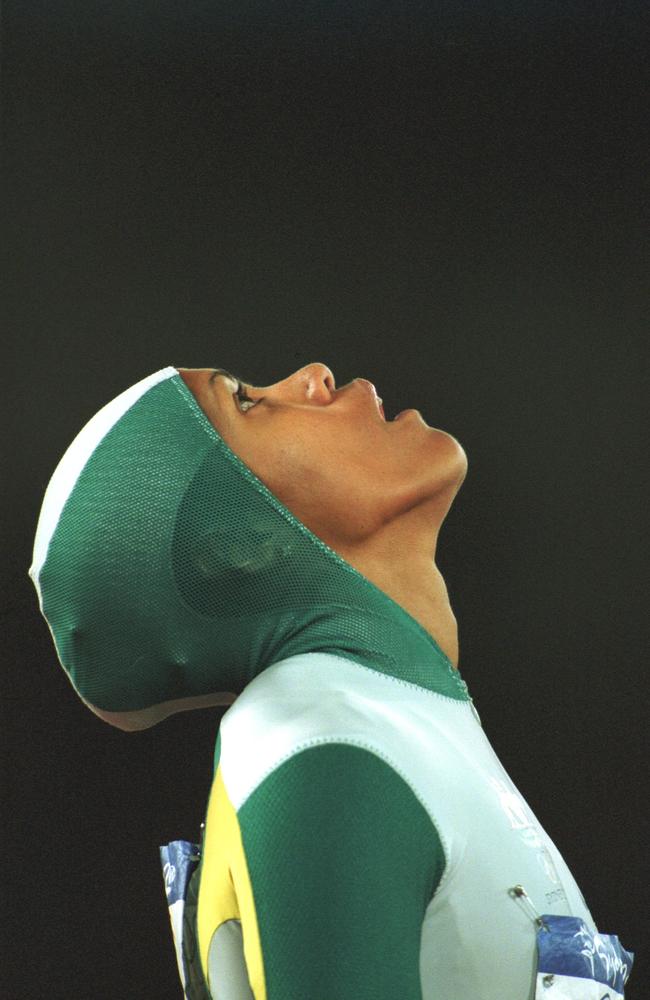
{"x":329,"y":454}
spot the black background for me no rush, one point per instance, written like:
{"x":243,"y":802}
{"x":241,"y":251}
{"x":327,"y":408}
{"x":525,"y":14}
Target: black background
{"x":447,"y":199}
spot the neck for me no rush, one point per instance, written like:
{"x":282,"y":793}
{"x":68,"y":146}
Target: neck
{"x":399,"y":562}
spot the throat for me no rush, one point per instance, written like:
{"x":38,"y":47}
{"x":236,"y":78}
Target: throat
{"x":422,"y":592}
{"x":436,"y":617}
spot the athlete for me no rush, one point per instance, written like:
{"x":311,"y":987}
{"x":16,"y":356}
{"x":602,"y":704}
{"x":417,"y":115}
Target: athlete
{"x":204,"y":541}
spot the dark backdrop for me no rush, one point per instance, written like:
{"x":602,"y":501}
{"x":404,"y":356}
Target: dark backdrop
{"x":444,"y":198}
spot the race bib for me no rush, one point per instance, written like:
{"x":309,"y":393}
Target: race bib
{"x":179,"y":860}
{"x":576,"y":964}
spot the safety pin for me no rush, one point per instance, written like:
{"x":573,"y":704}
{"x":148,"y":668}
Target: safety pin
{"x":197,"y":857}
{"x":518,"y":892}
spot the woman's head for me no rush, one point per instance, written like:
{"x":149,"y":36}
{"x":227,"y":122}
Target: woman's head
{"x":329,"y":454}
{"x":184,"y":545}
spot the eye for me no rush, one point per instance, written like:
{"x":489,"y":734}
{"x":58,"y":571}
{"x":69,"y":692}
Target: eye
{"x":244,"y":398}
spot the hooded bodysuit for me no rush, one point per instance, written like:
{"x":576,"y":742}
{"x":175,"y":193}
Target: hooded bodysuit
{"x":362,"y":840}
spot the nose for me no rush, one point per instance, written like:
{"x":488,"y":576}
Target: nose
{"x":312,"y":383}
{"x":313,"y":380}
{"x":318,"y":371}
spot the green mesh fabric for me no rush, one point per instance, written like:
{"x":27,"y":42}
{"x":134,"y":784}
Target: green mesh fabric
{"x":174,"y":572}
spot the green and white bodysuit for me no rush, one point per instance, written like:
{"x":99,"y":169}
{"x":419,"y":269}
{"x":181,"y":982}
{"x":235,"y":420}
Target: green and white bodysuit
{"x":362,"y":839}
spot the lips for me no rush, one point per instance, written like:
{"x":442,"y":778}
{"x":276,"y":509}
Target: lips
{"x":378,"y":401}
{"x":370,"y":387}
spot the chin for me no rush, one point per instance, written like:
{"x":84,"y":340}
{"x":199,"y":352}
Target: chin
{"x":450,"y":451}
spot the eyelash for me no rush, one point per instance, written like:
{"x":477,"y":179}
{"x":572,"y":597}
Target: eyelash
{"x":243,"y":397}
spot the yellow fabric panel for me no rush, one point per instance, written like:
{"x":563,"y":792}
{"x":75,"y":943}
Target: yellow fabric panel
{"x":225,"y":891}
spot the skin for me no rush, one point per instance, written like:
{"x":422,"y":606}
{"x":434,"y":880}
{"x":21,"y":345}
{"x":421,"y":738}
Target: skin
{"x":376,"y":491}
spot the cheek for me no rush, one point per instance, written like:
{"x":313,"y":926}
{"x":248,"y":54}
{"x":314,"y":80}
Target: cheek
{"x":301,"y":463}
{"x":328,"y":458}
{"x":283,"y":460}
